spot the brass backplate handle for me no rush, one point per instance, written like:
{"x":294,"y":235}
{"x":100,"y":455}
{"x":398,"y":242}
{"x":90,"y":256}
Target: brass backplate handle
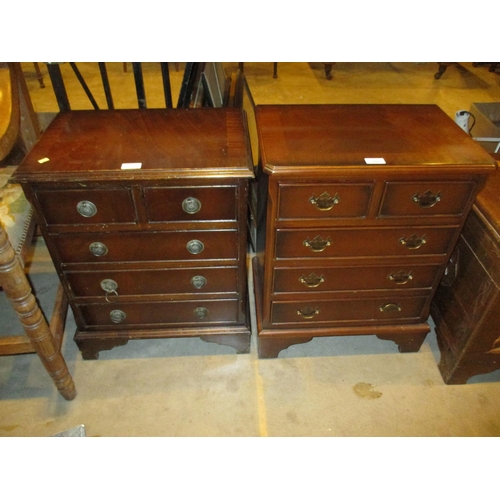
{"x":427,"y":200}
{"x":317,"y":244}
{"x":414,"y":242}
{"x":312,"y":281}
{"x":98,"y":249}
{"x":308,"y":312}
{"x":391,"y":307}
{"x":324,"y":201}
{"x":401,"y":277}
{"x":191,"y":205}
{"x":117,"y":316}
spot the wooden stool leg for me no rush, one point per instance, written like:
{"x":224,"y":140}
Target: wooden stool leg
{"x":18,"y":290}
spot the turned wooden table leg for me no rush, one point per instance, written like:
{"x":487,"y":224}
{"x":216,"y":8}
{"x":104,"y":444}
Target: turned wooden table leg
{"x":18,"y":290}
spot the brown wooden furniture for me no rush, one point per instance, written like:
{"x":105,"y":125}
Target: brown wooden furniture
{"x":144,"y":214}
{"x":466,"y":307}
{"x":18,"y":129}
{"x":360,"y":208}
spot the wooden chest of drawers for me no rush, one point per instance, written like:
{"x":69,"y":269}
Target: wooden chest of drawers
{"x":144,"y":214}
{"x":466,"y":307}
{"x":360,"y":208}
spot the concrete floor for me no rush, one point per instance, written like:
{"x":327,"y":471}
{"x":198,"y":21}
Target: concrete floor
{"x":350,"y":386}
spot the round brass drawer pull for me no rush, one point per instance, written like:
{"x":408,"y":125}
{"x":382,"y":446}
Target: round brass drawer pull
{"x":191,"y":205}
{"x":400,"y":278}
{"x":312,"y":281}
{"x":86,"y":208}
{"x":426,"y":200}
{"x":117,"y":316}
{"x":110,"y":286}
{"x":98,"y":249}
{"x":324,"y":202}
{"x":195,"y":247}
{"x":198,"y":281}
{"x":414,"y":242}
{"x":388,"y":308}
{"x":201,"y":312}
{"x":308,"y":312}
{"x":317,"y":244}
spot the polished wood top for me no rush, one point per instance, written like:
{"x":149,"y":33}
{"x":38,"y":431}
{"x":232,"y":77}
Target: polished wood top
{"x":168,"y":143}
{"x":323,"y":137}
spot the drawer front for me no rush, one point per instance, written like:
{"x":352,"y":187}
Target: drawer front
{"x":115,"y":284}
{"x":191,"y":204}
{"x":153,"y":314}
{"x":147,"y":246}
{"x":425,"y":198}
{"x":381,"y":310}
{"x":324,"y":201}
{"x":328,"y":243}
{"x":87,"y":206}
{"x":394,"y":277}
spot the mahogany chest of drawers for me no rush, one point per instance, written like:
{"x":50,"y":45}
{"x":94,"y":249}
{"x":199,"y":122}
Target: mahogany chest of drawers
{"x":466,"y":307}
{"x":360,"y":207}
{"x":144,"y":215}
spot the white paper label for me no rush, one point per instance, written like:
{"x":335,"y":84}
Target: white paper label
{"x":131,"y":166}
{"x":43,"y":160}
{"x":374,"y":161}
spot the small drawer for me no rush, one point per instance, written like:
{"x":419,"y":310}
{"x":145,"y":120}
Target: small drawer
{"x":383,"y":242}
{"x":383,"y":310}
{"x":153,"y":314}
{"x":147,"y":246}
{"x":324,"y":201}
{"x":178,"y":204}
{"x":111,"y":285}
{"x":338,"y":279}
{"x":87,"y":206}
{"x":425,"y":198}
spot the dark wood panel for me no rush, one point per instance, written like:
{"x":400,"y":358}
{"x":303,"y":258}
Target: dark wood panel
{"x":154,"y":282}
{"x":111,"y":206}
{"x":324,"y":201}
{"x":361,"y":242}
{"x":202,"y":312}
{"x":426,"y":198}
{"x":336,"y":279}
{"x":147,"y":246}
{"x":378,"y":310}
{"x":191,"y":204}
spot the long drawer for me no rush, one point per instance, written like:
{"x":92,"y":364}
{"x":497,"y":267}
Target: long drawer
{"x":147,"y":246}
{"x":380,"y":309}
{"x":335,"y":279}
{"x":365,"y":242}
{"x":113,"y":284}
{"x":153,"y":314}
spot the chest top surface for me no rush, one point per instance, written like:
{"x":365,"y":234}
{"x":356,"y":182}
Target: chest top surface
{"x":294,"y":137}
{"x":167,"y":143}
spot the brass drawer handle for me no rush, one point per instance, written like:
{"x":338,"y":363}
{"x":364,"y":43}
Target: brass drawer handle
{"x":195,"y":247}
{"x":110,"y":286}
{"x":413,"y":242}
{"x":191,"y":205}
{"x":86,"y":208}
{"x":391,"y":307}
{"x":400,"y":278}
{"x":198,"y":281}
{"x":201,"y":312}
{"x":308,"y":312}
{"x":98,"y":249}
{"x":324,"y":202}
{"x":317,"y":244}
{"x":312,"y":281}
{"x":117,"y":316}
{"x":427,"y":200}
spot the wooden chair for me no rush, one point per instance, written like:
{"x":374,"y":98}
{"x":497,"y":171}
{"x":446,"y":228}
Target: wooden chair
{"x":16,"y":231}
